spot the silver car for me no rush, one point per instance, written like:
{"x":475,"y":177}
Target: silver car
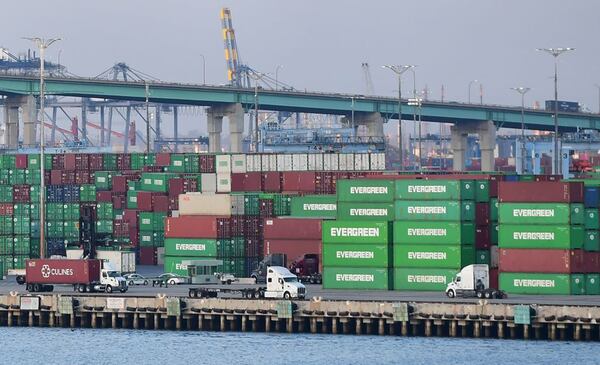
{"x":135,"y":279}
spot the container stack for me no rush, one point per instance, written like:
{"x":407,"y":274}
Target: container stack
{"x":293,"y":237}
{"x":542,"y":235}
{"x":434,"y":232}
{"x":356,"y":246}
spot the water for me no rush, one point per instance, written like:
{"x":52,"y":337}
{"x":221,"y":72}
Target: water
{"x":66,"y":346}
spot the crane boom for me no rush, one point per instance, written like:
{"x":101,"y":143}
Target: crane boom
{"x":231,"y":51}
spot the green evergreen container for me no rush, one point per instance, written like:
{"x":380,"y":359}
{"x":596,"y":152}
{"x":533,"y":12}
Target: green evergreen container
{"x":482,"y":257}
{"x":173,"y":264}
{"x":541,"y":236}
{"x":438,"y":233}
{"x":251,"y":204}
{"x":87,"y":193}
{"x":190,"y":247}
{"x":17,"y":177}
{"x":158,"y":182}
{"x":55,"y":212}
{"x":33,"y":177}
{"x":104,"y":226}
{"x":6,"y":245}
{"x":418,"y":279}
{"x":131,"y":199}
{"x":356,"y":278}
{"x":494,"y":230}
{"x":592,"y":284}
{"x":365,"y":211}
{"x":356,"y":232}
{"x":365,"y":190}
{"x":109,"y":161}
{"x":592,"y":241}
{"x":434,"y":210}
{"x":435,"y":189}
{"x":21,"y":225}
{"x":591,"y":219}
{"x":71,"y":212}
{"x":6,"y":194}
{"x":314,"y":206}
{"x":534,"y":283}
{"x":541,"y":213}
{"x":282,"y":205}
{"x":104,"y":211}
{"x":6,"y":225}
{"x":355,"y":255}
{"x":433,"y":256}
{"x":482,"y":191}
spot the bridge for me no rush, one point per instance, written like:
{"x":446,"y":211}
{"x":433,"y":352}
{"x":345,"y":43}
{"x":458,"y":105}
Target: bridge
{"x":232,"y":103}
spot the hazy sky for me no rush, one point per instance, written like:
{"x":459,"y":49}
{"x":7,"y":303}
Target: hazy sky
{"x":321,"y":44}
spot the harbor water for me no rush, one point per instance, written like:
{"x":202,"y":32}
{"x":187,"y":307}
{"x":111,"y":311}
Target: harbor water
{"x":62,"y":346}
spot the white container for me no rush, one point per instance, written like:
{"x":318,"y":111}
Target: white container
{"x":264,"y":162}
{"x":365,"y":164}
{"x":205,"y":204}
{"x":223,"y":183}
{"x":223,"y":163}
{"x":123,"y":261}
{"x":358,"y":162}
{"x":300,"y":162}
{"x":348,"y":159}
{"x":74,"y":254}
{"x":250,"y":164}
{"x":238,"y":164}
{"x":330,"y":162}
{"x":280,"y":162}
{"x":287,"y":162}
{"x":315,"y":162}
{"x":208,"y":183}
{"x":272,"y":162}
{"x":160,"y":255}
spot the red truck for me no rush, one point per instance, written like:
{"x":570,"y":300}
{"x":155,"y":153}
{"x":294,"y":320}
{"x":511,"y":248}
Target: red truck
{"x":85,"y":275}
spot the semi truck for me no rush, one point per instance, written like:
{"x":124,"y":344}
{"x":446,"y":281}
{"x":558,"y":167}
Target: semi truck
{"x":305,"y":267}
{"x":85,"y":275}
{"x":280,"y":284}
{"x":473,"y":281}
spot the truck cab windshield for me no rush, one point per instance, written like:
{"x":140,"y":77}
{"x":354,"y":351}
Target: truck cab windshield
{"x":290,"y":279}
{"x":113,"y":274}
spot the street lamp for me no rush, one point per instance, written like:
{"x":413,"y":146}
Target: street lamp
{"x":203,"y":70}
{"x":522,"y":90}
{"x":42,"y":44}
{"x":470,"y":84}
{"x":399,"y":70}
{"x":277,"y":76}
{"x":555,"y":52}
{"x":256,"y":76}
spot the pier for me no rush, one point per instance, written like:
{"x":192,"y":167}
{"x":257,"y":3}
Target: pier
{"x":480,"y":320}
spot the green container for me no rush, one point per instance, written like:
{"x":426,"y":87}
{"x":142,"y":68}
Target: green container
{"x":534,"y":283}
{"x":356,"y":232}
{"x":33,"y":162}
{"x":109,"y":161}
{"x":433,"y":233}
{"x":104,"y":226}
{"x":87,"y":193}
{"x":55,"y":212}
{"x":158,"y":182}
{"x":138,"y":161}
{"x":591,"y":219}
{"x":356,"y":278}
{"x":482,"y":191}
{"x":282,"y":205}
{"x":33,"y":177}
{"x":173,"y":264}
{"x":494,"y":230}
{"x":592,"y":284}
{"x":6,"y":194}
{"x":21,"y":210}
{"x":104,"y":211}
{"x":21,"y":225}
{"x":22,"y":245}
{"x":4,"y":177}
{"x":365,"y":211}
{"x":103,"y":180}
{"x":482,"y":257}
{"x":364,"y":190}
{"x":353,"y":255}
{"x":434,"y":210}
{"x":152,"y":221}
{"x":314,"y":206}
{"x":6,"y":245}
{"x":17,"y":177}
{"x":71,"y":230}
{"x":541,"y":236}
{"x":71,"y":212}
{"x":131,"y":199}
{"x":190,"y":247}
{"x":419,"y":279}
{"x":433,"y":256}
{"x":192,"y":163}
{"x":231,"y":247}
{"x":435,"y":189}
{"x":592,"y":241}
{"x":540,"y":213}
{"x":177,"y":163}
{"x":146,"y":239}
{"x":56,"y":229}
{"x":34,"y":194}
{"x":251,"y":204}
{"x":6,"y":225}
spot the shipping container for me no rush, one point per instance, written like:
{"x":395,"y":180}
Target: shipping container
{"x":592,"y":221}
{"x":434,"y":210}
{"x":435,"y":189}
{"x":208,"y":183}
{"x":538,"y":283}
{"x":292,"y":228}
{"x":592,"y":241}
{"x":366,"y":232}
{"x":362,"y":190}
{"x":356,"y":255}
{"x":205,"y":204}
{"x":60,"y":271}
{"x":292,"y":248}
{"x":433,"y":256}
{"x":191,"y":247}
{"x":447,"y":233}
{"x":542,"y":260}
{"x":365,"y":211}
{"x":541,"y":236}
{"x":191,"y":227}
{"x":314,"y":206}
{"x":422,"y":279}
{"x":173,"y":264}
{"x":540,"y":213}
{"x":540,"y":192}
{"x":356,"y":278}
{"x":592,"y":284}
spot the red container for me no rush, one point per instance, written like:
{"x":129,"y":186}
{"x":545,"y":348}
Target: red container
{"x":21,"y":161}
{"x":191,"y":227}
{"x":176,"y":187}
{"x":207,"y":164}
{"x":292,"y":228}
{"x":253,"y":226}
{"x":224,"y":228}
{"x":83,"y":177}
{"x":58,"y":162}
{"x":237,"y":182}
{"x":119,"y":184}
{"x":21,"y":193}
{"x":298,"y":181}
{"x":104,"y":196}
{"x":134,"y":238}
{"x":120,"y":228}
{"x":144,"y":201}
{"x":6,"y":209}
{"x":131,"y":216}
{"x":96,"y":162}
{"x":173,"y":203}
{"x":543,"y":191}
{"x":494,"y":278}
{"x":542,"y":260}
{"x":265,"y":207}
{"x":160,"y":203}
{"x":56,"y":177}
{"x":482,"y":214}
{"x":254,"y":247}
{"x":148,"y":256}
{"x":271,"y":182}
{"x":163,"y":159}
{"x":69,"y":162}
{"x":238,"y":226}
{"x":483,"y":240}
{"x":123,"y":162}
{"x":293,"y":249}
{"x":591,"y":261}
{"x":58,"y":271}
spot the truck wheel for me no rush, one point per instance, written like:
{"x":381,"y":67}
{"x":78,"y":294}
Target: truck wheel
{"x":50,"y":288}
{"x":287,"y":295}
{"x":228,"y":281}
{"x":311,"y":280}
{"x":81,"y":288}
{"x":108,"y":289}
{"x":145,"y":282}
{"x":487,"y":295}
{"x":37,"y":287}
{"x":479,"y":294}
{"x":20,"y":279}
{"x":450,"y":294}
{"x":131,"y":283}
{"x":261,"y":294}
{"x":29,"y":287}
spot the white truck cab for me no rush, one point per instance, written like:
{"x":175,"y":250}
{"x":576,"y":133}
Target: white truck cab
{"x":473,"y":281}
{"x":111,"y":280}
{"x":281,"y":283}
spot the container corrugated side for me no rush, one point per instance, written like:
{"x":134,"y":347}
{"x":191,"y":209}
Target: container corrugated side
{"x":433,"y":256}
{"x":540,"y":236}
{"x":418,"y":279}
{"x":434,"y":233}
{"x":365,"y":211}
{"x":314,"y":206}
{"x":204,"y":204}
{"x":540,"y":213}
{"x":190,"y":247}
{"x":435,"y":189}
{"x":434,"y":210}
{"x":542,"y":283}
{"x":356,"y":232}
{"x":356,"y":278}
{"x":364,"y":190}
{"x":356,"y":255}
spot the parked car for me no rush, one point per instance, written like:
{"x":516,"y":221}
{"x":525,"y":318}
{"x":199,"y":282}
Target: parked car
{"x":172,"y":279}
{"x":135,"y":279}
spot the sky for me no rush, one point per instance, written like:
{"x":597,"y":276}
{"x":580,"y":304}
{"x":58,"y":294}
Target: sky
{"x":321,"y":44}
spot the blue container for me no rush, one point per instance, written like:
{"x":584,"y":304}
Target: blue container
{"x":56,"y":246}
{"x":55,"y":194}
{"x":511,"y":178}
{"x":591,"y":197}
{"x":71,"y":193}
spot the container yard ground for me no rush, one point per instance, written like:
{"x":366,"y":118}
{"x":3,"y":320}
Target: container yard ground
{"x":316,"y":291}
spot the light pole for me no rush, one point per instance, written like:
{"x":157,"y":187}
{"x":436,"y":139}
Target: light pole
{"x":399,"y":70}
{"x":555,"y":52}
{"x":522,"y":90}
{"x":277,"y":76}
{"x":42,"y":44}
{"x":203,"y":70}
{"x":256,"y":76}
{"x":147,"y":88}
{"x":469,"y":93}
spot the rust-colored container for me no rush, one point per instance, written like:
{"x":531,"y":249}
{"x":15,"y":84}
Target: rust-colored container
{"x":68,"y":178}
{"x":58,"y":162}
{"x":237,"y":182}
{"x":134,"y":237}
{"x":482,"y":213}
{"x":482,"y":238}
{"x":123,"y":162}
{"x":69,"y":162}
{"x":494,"y":278}
{"x":21,"y":161}
{"x":540,"y":192}
{"x":292,"y":228}
{"x":591,"y":261}
{"x":131,"y":216}
{"x":253,"y":181}
{"x":271,"y":182}
{"x":144,"y":201}
{"x":293,"y":248}
{"x":56,"y":177}
{"x":207,"y":164}
{"x":298,"y":181}
{"x":163,"y":159}
{"x":119,"y":200}
{"x":119,"y":184}
{"x":120,"y":228}
{"x":6,"y":209}
{"x":55,"y":271}
{"x":542,"y":261}
{"x":176,"y":187}
{"x":21,"y":193}
{"x":192,"y":227}
{"x":104,"y":196}
{"x":160,"y":203}
{"x":96,"y":162}
{"x":148,"y":256}
{"x":83,"y":177}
